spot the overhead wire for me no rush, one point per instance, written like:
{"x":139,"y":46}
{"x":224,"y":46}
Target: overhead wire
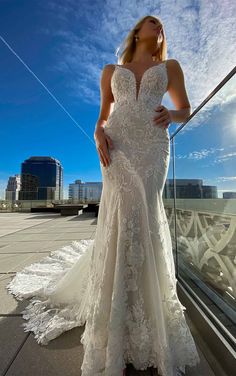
{"x":45,"y":87}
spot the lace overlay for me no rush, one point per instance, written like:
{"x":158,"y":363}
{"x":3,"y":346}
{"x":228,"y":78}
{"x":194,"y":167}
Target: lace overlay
{"x":121,"y":284}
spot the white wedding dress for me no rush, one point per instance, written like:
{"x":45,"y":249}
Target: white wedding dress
{"x":121,"y":284}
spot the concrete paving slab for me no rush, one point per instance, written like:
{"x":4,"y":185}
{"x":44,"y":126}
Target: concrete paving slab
{"x":43,"y":245}
{"x":69,"y":229}
{"x":60,"y":225}
{"x":26,"y":247}
{"x":33,"y":230}
{"x":75,"y":236}
{"x":16,"y":221}
{"x":81,"y":223}
{"x":9,"y":231}
{"x":16,"y":262}
{"x":9,"y":305}
{"x":18,"y":236}
{"x":60,"y":243}
{"x":42,"y":217}
{"x":12,"y":337}
{"x":63,"y":356}
{"x":3,"y":245}
{"x":56,"y":230}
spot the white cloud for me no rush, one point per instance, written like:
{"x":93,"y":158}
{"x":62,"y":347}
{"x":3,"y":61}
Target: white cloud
{"x":225,"y":157}
{"x":199,"y":154}
{"x":201,"y":36}
{"x":226,"y":178}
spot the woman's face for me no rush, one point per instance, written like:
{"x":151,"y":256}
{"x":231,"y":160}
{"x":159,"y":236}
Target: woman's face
{"x":150,"y":28}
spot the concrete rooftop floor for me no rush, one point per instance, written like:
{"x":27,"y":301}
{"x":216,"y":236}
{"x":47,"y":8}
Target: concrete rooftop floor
{"x":24,"y":239}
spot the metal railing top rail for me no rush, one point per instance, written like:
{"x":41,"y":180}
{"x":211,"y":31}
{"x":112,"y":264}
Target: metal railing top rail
{"x":214,"y":91}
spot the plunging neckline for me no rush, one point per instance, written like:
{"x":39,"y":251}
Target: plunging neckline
{"x":141,"y":80}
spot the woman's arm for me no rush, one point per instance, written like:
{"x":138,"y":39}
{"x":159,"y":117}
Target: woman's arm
{"x":177,"y":91}
{"x":106,"y":96}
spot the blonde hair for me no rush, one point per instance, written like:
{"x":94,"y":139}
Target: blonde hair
{"x":130,"y":44}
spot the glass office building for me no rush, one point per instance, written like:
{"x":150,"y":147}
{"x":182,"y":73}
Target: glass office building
{"x":85,"y":191}
{"x":41,"y":179}
{"x":13,"y":188}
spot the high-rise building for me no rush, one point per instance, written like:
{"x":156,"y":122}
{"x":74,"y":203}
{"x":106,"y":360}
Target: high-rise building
{"x":13,"y":188}
{"x":229,"y":195}
{"x":41,"y":179}
{"x":189,"y":188}
{"x":89,"y":191}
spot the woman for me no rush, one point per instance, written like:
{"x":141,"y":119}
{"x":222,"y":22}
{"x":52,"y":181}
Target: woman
{"x":122,"y":284}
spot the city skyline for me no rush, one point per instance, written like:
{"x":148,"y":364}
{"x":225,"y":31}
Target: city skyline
{"x":36,"y":176}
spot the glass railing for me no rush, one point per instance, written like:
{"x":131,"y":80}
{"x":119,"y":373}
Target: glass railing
{"x":200,"y":202}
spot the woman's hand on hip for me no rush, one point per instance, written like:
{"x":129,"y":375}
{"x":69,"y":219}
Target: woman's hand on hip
{"x":163,"y":118}
{"x":103,"y":143}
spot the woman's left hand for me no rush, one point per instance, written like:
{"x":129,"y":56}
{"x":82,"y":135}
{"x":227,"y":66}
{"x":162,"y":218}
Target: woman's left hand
{"x":164,"y":117}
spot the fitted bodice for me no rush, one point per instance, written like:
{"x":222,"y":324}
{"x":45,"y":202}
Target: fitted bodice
{"x":131,"y":121}
{"x":150,"y":90}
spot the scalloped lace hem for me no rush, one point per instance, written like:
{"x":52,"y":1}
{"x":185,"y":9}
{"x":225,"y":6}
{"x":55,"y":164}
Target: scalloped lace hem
{"x":48,"y":315}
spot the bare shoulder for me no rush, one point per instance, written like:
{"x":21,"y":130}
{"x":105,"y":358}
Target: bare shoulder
{"x":174,"y":71}
{"x":107,"y":72}
{"x":173,"y":64}
{"x":176,"y":85}
{"x":174,"y":67}
{"x":108,"y":68}
{"x":106,"y":75}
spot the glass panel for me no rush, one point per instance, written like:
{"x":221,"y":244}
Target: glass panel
{"x":204,"y":161}
{"x":168,"y":198}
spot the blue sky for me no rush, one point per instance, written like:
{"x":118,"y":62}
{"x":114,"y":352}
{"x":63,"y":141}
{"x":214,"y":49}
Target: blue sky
{"x":60,"y":47}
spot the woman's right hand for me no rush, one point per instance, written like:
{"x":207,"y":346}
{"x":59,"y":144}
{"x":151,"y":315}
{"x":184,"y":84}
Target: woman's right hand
{"x":103,"y":143}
